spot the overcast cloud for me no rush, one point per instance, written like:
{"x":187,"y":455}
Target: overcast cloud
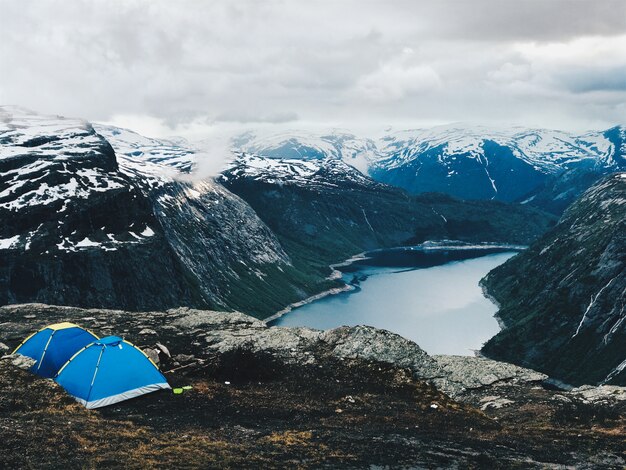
{"x":190,"y":67}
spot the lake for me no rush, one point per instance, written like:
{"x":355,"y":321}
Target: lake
{"x":431,"y":297}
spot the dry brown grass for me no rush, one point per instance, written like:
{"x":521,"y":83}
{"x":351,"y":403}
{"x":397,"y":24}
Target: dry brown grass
{"x":290,"y":438}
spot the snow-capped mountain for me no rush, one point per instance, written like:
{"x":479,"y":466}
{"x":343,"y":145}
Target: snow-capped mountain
{"x":52,"y":165}
{"x":135,"y":148}
{"x":470,"y":162}
{"x":329,"y":172}
{"x":334,"y":143}
{"x":82,"y":226}
{"x":547,"y":150}
{"x":482,"y":163}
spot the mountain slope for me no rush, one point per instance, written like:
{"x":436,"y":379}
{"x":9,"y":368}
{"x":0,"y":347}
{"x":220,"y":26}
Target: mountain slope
{"x":324,"y":211}
{"x":80,"y":226}
{"x":562,"y":301}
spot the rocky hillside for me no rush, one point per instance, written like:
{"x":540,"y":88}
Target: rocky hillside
{"x":299,"y":398}
{"x":324,"y":211}
{"x":83,"y":226}
{"x":562,"y":301}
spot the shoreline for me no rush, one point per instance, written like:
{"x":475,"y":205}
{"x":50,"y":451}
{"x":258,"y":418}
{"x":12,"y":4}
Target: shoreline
{"x":450,"y":245}
{"x":494,"y":301}
{"x":308,"y":300}
{"x":429,"y":246}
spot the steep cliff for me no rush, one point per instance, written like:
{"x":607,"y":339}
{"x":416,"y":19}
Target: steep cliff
{"x":562,"y":301}
{"x":82,"y":226}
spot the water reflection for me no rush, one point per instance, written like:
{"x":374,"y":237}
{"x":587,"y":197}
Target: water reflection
{"x":439,"y":306}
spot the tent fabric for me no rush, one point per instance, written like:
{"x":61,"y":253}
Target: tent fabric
{"x":108,"y":371}
{"x":52,"y":346}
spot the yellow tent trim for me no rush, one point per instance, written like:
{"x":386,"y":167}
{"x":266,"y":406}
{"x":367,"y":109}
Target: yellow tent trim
{"x":26,"y":339}
{"x":55,"y":327}
{"x":61,"y":326}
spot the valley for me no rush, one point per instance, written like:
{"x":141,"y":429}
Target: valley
{"x":91,"y":221}
{"x":314,"y":235}
{"x":115,"y":231}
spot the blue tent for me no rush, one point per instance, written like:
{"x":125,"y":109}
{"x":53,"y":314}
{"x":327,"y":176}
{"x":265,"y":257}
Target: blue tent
{"x":53,"y":345}
{"x":109,"y":371}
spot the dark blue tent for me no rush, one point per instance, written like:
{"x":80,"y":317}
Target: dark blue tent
{"x":52,"y":346}
{"x":109,"y":371}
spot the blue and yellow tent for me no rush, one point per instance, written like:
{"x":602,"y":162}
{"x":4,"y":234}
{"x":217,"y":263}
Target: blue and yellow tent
{"x":108,"y":371}
{"x":52,"y":346}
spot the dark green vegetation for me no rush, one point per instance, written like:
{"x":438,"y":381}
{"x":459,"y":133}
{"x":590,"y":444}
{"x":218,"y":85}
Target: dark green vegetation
{"x":562,"y":300}
{"x":320,"y":224}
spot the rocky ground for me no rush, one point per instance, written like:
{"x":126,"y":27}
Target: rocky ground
{"x":299,"y":398}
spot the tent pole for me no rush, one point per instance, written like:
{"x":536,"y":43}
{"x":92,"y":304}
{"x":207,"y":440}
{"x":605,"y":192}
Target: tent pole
{"x":95,"y":372}
{"x":43,"y":354}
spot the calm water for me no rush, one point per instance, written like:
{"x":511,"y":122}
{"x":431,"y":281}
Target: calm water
{"x":433,"y":299}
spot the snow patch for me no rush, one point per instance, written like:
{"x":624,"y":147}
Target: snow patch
{"x":8,"y":243}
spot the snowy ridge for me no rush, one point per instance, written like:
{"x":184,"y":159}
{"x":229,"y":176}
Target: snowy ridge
{"x":545,"y":149}
{"x":327,"y":172}
{"x":135,"y":148}
{"x":24,"y":132}
{"x":467,"y":162}
{"x":50,"y":159}
{"x":548,"y":150}
{"x":333,"y":143}
{"x":59,"y":178}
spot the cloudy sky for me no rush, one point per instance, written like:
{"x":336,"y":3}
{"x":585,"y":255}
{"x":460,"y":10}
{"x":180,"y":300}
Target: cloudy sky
{"x":189,"y":67}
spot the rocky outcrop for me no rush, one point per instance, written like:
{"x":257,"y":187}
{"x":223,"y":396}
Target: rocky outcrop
{"x":206,"y":335}
{"x":562,"y":300}
{"x":202,"y":337}
{"x":272,"y":397}
{"x":462,"y":374}
{"x":259,"y":396}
